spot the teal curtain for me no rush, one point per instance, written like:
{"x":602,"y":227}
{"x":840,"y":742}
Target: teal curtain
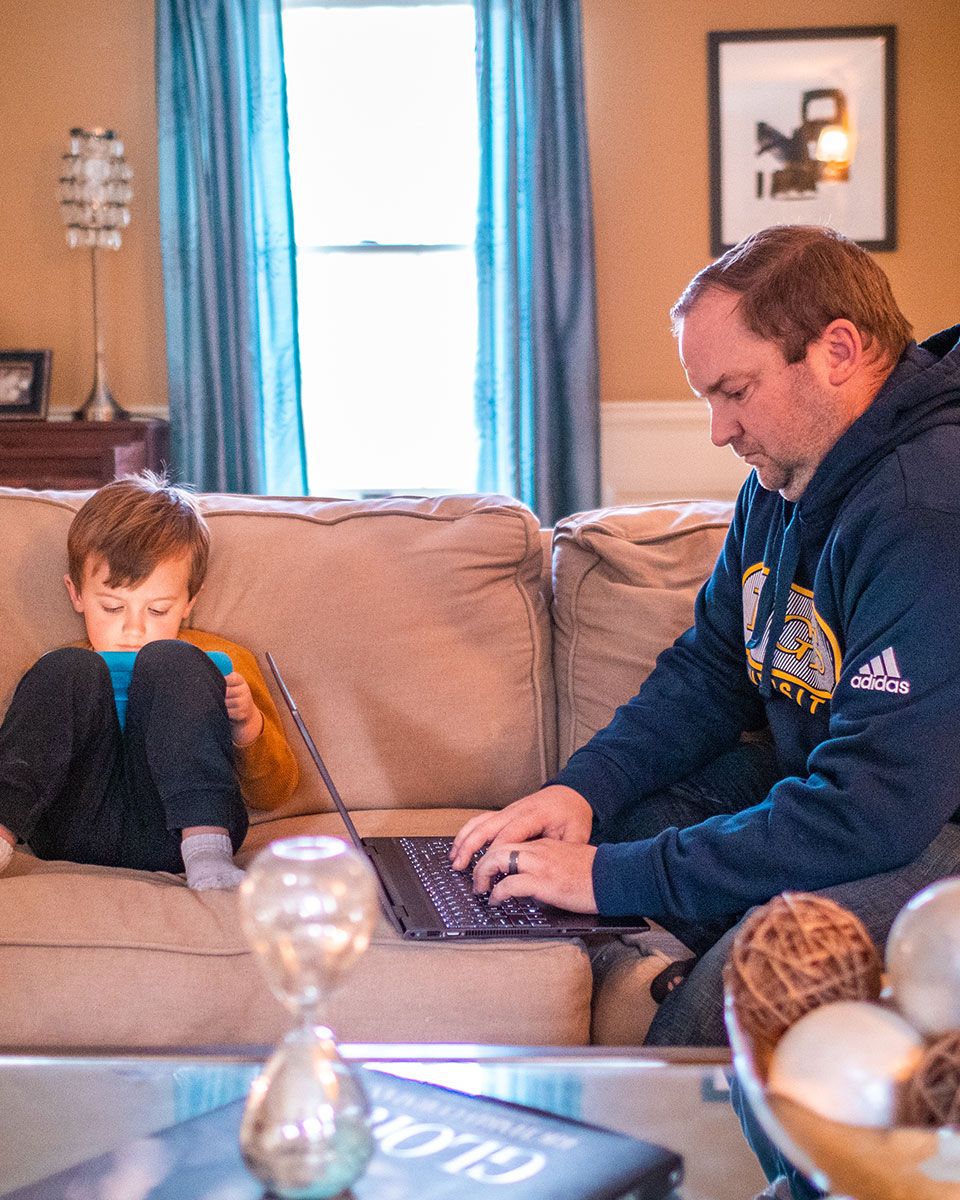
{"x":229,"y":254}
{"x":537,"y":369}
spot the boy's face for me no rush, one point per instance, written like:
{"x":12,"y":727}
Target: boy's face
{"x":120,"y":618}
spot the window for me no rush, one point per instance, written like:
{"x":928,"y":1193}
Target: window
{"x":384,"y":165}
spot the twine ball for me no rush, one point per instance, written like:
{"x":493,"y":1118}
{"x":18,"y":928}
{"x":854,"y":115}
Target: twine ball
{"x":933,"y":1097}
{"x":793,"y":954}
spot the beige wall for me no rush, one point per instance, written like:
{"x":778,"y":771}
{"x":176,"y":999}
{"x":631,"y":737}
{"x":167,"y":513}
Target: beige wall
{"x":66,"y":63}
{"x":91,"y":62}
{"x":645,"y":67}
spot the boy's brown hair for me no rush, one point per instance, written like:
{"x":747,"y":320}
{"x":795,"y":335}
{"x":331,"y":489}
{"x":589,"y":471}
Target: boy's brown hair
{"x":793,"y":280}
{"x":134,"y":524}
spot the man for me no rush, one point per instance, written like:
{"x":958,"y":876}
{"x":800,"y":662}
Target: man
{"x":804,"y":734}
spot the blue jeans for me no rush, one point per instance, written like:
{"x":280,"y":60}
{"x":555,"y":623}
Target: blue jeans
{"x":772,"y":1162}
{"x":692,"y":1014}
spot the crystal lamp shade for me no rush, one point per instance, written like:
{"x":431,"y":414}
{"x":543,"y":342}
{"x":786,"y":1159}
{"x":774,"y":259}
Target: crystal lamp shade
{"x":95,"y":189}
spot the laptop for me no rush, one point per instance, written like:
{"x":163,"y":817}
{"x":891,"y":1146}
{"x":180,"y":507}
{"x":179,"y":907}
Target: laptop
{"x":422,"y":895}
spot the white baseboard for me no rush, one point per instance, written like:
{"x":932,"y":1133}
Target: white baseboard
{"x":661,"y":450}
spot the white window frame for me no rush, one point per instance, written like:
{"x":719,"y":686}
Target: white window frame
{"x":372,"y":247}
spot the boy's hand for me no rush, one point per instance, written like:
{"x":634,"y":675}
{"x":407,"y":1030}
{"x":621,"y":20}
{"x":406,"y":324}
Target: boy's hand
{"x":246,"y":719}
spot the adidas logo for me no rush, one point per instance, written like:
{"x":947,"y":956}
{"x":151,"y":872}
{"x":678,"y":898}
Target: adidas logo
{"x":881,"y":674}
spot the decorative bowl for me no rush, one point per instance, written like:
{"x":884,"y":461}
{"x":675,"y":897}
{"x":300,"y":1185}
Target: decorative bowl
{"x":901,"y":1163}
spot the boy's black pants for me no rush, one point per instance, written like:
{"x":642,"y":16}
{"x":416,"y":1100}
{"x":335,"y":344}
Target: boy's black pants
{"x":74,"y":786}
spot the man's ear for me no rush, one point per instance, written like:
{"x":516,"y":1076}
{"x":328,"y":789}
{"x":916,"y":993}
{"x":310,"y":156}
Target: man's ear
{"x":840,"y":351}
{"x":75,"y":598}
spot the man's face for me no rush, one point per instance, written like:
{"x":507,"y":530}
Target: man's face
{"x":126,"y":618}
{"x":780,"y":418}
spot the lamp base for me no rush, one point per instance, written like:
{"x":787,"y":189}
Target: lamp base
{"x":101,"y":406}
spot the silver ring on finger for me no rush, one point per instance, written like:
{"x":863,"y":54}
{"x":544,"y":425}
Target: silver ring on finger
{"x":513,"y":863}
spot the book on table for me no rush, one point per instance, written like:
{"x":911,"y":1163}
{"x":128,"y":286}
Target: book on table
{"x":431,"y":1143}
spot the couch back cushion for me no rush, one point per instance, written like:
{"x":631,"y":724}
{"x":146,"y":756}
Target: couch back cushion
{"x":413,"y":633}
{"x":624,"y":583}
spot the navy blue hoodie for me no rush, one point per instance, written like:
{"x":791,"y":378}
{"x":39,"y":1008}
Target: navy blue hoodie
{"x":860,"y":581}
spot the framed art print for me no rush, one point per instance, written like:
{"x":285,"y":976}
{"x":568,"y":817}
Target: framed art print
{"x":24,"y":384}
{"x":802,"y":132}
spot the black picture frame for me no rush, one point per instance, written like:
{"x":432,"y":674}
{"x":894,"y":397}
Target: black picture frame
{"x":24,"y":384}
{"x":768,"y":91}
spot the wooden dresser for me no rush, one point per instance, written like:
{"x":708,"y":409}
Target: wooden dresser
{"x":79,"y":454}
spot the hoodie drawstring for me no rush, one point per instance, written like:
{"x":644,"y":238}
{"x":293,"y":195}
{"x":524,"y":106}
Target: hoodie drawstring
{"x":772,"y":605}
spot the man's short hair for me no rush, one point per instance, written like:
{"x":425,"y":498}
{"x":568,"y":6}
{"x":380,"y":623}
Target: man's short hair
{"x":794,"y":280}
{"x":133,"y":525}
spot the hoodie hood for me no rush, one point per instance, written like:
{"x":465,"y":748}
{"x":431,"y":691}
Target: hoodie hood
{"x":921,"y":392}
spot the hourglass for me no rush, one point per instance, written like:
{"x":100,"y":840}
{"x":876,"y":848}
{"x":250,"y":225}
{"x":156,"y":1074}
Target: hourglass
{"x":308,"y":907}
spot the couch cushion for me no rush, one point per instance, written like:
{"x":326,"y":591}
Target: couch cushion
{"x":414,"y":633}
{"x":37,"y":615}
{"x":99,"y":957}
{"x":624,"y":582}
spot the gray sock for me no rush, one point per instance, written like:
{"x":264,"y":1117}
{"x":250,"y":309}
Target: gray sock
{"x":6,"y":853}
{"x":208,"y":858}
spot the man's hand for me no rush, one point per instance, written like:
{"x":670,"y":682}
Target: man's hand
{"x":246,"y":720}
{"x":555,"y":812}
{"x":559,"y":873}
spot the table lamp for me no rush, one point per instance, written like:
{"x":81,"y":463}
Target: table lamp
{"x":93,"y":194}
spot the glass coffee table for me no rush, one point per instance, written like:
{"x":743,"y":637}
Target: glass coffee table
{"x":57,"y":1110}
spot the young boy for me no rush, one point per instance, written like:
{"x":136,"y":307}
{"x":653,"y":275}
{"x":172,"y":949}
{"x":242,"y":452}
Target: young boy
{"x":168,"y":791}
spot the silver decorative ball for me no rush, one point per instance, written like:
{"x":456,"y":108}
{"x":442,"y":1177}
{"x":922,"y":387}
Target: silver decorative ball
{"x":923,"y":958}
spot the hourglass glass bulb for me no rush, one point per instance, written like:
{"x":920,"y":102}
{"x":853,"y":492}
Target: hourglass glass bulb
{"x":308,"y":907}
{"x":305,"y":1130}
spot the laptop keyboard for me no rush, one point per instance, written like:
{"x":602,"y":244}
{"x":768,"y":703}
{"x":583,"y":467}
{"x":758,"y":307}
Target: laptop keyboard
{"x":451,"y":892}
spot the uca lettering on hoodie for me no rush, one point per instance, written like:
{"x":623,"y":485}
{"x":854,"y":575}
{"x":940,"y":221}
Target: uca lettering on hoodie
{"x":806,"y":658}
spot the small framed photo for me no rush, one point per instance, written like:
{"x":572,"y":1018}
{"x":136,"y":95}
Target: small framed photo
{"x":24,"y":384}
{"x":803,"y":132}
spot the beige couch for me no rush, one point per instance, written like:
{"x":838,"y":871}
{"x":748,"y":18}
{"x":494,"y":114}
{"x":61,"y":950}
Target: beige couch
{"x":446,"y":658}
